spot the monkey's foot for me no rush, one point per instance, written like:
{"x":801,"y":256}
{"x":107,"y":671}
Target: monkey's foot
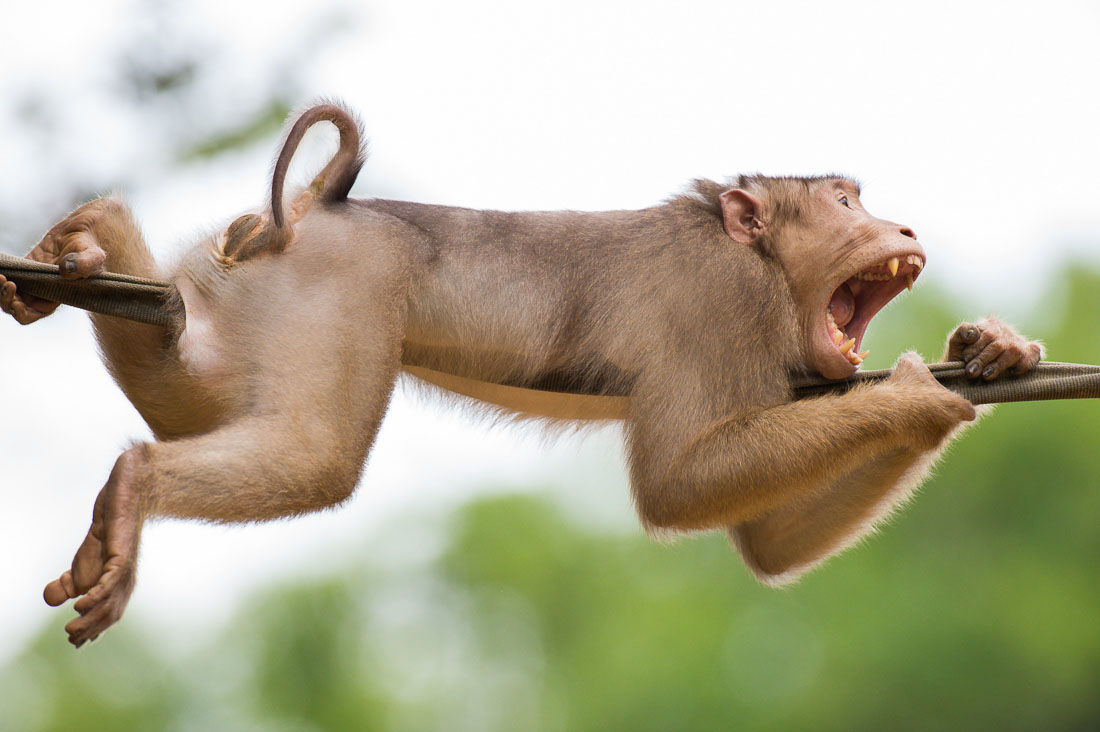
{"x":104,"y":568}
{"x":72,"y":244}
{"x":24,"y":308}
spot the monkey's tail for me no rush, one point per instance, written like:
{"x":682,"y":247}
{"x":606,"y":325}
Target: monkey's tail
{"x":335,"y":180}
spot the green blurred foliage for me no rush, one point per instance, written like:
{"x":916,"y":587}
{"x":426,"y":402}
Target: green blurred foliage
{"x":263,"y":124}
{"x":975,"y":609}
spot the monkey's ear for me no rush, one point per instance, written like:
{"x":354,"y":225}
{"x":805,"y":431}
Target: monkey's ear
{"x":741,"y":216}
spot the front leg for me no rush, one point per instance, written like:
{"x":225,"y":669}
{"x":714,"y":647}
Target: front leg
{"x":783,"y":544}
{"x":747,"y":466}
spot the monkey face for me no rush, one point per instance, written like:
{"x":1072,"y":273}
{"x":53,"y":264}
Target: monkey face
{"x":844,"y":265}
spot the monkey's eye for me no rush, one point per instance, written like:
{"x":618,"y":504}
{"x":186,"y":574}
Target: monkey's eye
{"x":844,"y":202}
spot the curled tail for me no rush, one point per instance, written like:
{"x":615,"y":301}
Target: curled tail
{"x":332,"y":183}
{"x":251,"y":235}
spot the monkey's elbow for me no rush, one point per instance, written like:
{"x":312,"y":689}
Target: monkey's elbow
{"x":769,"y":568}
{"x":777,"y":575}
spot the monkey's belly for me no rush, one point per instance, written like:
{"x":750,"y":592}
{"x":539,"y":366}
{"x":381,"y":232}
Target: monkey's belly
{"x":534,"y":402}
{"x":514,"y":383}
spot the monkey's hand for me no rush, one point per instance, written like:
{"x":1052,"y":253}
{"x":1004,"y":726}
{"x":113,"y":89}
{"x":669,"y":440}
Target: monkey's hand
{"x":928,"y":410}
{"x":104,"y":568}
{"x":71,"y":244}
{"x":992,"y":348}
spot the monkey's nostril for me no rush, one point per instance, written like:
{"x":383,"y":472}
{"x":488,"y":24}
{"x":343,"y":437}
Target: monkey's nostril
{"x":906,"y":231}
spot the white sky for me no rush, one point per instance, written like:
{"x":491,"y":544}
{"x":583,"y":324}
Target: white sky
{"x":974,"y":123}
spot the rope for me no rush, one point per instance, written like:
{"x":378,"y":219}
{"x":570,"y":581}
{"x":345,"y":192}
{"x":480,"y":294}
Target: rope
{"x":123,"y":296}
{"x":145,"y":301}
{"x":1048,"y":380}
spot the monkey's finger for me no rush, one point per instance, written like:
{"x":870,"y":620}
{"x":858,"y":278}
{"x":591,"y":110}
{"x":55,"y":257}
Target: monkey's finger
{"x":90,"y":600}
{"x":23,"y":314}
{"x":977,"y":365}
{"x":84,"y":259}
{"x":60,"y":590}
{"x":1008,"y":358}
{"x":964,"y":335}
{"x":103,"y":590}
{"x":970,"y":352}
{"x":88,"y":626}
{"x":24,"y":308}
{"x":38,"y":304}
{"x":1033,"y":353}
{"x":7,"y":294}
{"x":35,"y":307}
{"x":88,"y":564}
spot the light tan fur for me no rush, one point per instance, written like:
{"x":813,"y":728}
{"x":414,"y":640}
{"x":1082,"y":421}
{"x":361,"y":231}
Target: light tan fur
{"x":687,"y":319}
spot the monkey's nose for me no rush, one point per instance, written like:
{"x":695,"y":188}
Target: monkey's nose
{"x":906,"y":231}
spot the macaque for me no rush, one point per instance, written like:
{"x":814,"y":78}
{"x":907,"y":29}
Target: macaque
{"x":688,"y":320}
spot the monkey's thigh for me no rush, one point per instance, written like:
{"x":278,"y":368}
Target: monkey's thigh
{"x":319,"y":375}
{"x":330,"y":358}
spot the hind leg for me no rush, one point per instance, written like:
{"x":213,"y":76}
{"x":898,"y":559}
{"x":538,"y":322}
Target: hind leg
{"x":256,"y":469}
{"x":299,"y":446}
{"x":103,"y":569}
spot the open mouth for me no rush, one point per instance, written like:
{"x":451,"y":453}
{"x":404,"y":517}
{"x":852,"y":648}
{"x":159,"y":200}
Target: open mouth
{"x":858,"y":298}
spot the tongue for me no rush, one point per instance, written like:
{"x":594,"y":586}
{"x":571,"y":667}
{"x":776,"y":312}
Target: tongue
{"x":843,"y":305}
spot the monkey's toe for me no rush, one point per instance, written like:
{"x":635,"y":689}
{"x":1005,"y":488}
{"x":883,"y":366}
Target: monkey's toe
{"x":89,"y":259}
{"x":60,"y":590}
{"x":103,"y":605}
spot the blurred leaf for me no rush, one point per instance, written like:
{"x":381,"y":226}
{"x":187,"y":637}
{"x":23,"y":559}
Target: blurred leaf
{"x":263,"y":124}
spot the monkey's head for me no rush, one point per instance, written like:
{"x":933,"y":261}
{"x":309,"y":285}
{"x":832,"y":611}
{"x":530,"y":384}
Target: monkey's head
{"x":842,"y":263}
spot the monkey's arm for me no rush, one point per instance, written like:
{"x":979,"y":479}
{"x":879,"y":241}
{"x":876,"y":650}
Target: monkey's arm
{"x":746,"y":466}
{"x":783,"y":544}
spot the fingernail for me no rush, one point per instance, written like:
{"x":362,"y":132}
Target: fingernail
{"x":973,"y":368}
{"x":970,"y":334}
{"x":989,"y":372}
{"x":69,"y":266}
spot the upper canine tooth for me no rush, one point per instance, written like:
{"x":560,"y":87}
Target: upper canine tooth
{"x":848,"y":346}
{"x":893,"y":266}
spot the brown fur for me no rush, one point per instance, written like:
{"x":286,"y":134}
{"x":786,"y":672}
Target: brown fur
{"x":266,"y":397}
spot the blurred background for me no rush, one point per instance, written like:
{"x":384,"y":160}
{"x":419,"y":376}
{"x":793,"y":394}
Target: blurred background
{"x":493,"y":578}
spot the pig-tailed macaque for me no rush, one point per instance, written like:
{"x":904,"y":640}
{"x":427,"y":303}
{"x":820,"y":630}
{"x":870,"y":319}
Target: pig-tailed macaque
{"x":294,"y":322}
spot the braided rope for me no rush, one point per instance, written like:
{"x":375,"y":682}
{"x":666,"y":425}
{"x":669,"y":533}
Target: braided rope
{"x":123,"y":296}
